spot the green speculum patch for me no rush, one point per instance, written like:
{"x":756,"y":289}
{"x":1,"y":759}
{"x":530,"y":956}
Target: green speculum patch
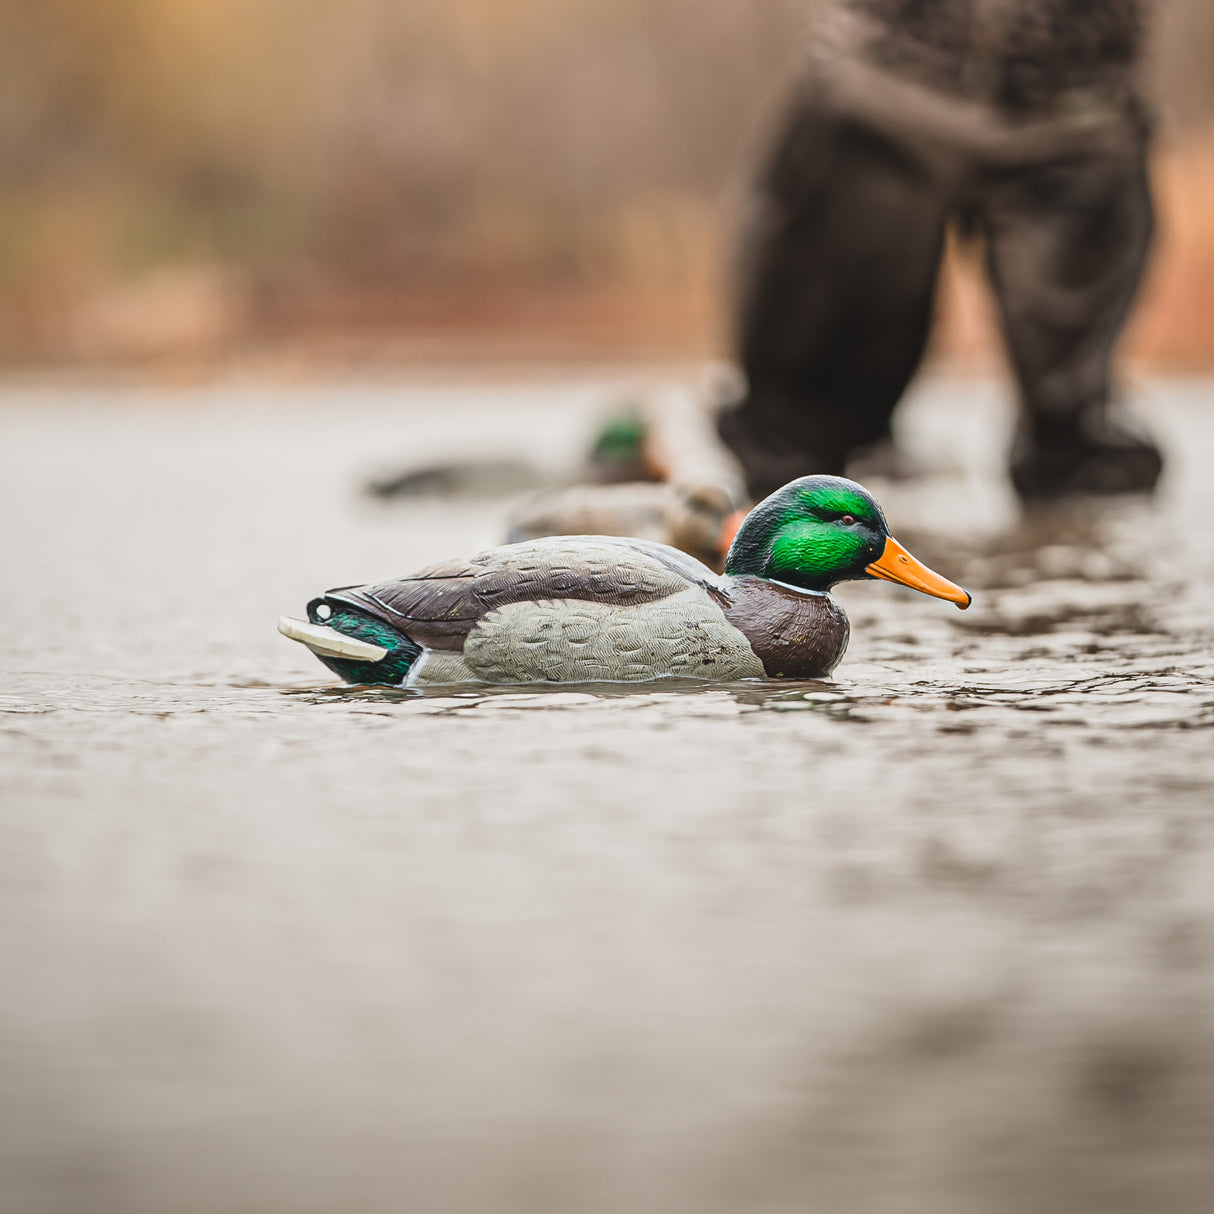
{"x":391,"y":670}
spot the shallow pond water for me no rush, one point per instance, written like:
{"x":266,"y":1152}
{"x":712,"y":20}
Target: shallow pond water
{"x":937,"y":935}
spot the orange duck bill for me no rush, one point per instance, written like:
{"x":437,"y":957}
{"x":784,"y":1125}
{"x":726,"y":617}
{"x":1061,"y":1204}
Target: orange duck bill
{"x":895,"y":564}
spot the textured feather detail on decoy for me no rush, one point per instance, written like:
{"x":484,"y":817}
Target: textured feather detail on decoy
{"x":570,"y":641}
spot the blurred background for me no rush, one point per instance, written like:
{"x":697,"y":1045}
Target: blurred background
{"x":198,"y":180}
{"x":934,"y":938}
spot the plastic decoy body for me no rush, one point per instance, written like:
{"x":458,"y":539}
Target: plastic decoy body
{"x":580,"y":609}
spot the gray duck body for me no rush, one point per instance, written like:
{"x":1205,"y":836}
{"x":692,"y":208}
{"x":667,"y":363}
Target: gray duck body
{"x":600,"y":609}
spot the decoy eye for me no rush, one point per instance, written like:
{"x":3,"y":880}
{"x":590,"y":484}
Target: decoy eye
{"x":848,"y":519}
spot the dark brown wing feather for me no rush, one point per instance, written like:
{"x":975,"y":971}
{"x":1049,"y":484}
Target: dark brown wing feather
{"x":440,"y":605}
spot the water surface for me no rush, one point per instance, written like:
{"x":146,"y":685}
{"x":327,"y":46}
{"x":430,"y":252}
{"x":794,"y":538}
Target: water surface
{"x":934,"y":936}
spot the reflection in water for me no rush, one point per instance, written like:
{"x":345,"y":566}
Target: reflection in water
{"x":932,"y":936}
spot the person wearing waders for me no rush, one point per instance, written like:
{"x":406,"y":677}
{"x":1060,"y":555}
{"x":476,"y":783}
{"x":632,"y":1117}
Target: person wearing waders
{"x":1020,"y":120}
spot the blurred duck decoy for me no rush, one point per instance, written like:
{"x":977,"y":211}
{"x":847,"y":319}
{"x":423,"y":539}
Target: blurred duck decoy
{"x":690,"y":495}
{"x":619,"y":453}
{"x":699,"y":520}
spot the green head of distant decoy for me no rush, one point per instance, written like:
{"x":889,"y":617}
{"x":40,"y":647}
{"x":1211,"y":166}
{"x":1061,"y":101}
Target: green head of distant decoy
{"x":620,"y":439}
{"x":821,"y":530}
{"x":621,"y":451}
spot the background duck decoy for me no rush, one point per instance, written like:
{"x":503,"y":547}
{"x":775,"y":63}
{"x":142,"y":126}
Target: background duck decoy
{"x":693,"y":518}
{"x":619,"y":453}
{"x":606,"y":609}
{"x":655,"y":471}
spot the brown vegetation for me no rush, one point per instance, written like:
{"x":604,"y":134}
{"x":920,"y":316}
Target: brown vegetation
{"x":375,"y":179}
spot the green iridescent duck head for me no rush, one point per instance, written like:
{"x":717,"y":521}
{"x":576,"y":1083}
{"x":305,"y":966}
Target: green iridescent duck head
{"x":820,"y":530}
{"x":623,"y":450}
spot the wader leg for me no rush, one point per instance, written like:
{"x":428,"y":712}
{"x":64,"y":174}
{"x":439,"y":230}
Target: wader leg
{"x":1066,"y":244}
{"x":839,"y":264}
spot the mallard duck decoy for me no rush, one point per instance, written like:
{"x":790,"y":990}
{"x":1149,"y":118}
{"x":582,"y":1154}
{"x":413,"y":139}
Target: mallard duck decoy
{"x":622,"y":451}
{"x":690,"y":498}
{"x":593,"y":608}
{"x":693,"y":519}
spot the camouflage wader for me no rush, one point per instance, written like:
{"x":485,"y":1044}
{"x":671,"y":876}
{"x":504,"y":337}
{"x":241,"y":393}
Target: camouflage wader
{"x":1018,"y":120}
